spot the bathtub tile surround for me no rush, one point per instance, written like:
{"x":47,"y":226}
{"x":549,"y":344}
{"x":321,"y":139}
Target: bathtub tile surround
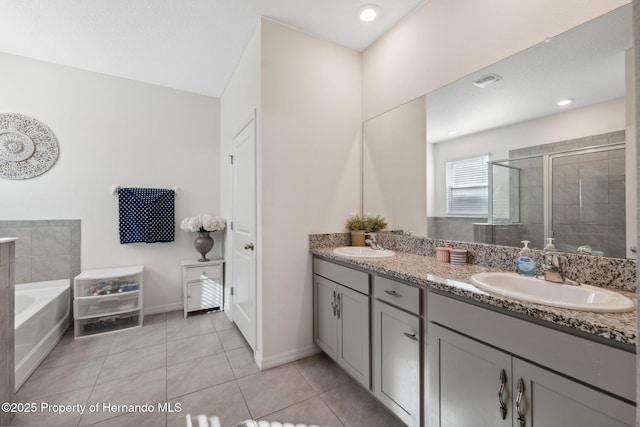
{"x":46,"y":249}
{"x":7,"y":265}
{"x":615,"y":273}
{"x":221,"y":379}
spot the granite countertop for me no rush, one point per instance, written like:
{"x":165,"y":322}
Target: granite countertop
{"x":621,"y":328}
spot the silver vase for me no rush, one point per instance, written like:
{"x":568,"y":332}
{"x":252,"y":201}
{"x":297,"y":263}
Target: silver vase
{"x":203,"y":244}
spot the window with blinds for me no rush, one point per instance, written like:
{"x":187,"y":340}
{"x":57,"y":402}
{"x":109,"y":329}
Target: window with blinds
{"x":467,"y":186}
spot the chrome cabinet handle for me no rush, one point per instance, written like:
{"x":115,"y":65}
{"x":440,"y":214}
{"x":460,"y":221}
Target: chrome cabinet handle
{"x":339,"y":304}
{"x":248,"y":246}
{"x":501,"y":386}
{"x":333,"y":303}
{"x":411,"y":335}
{"x":394,"y":293}
{"x":519,"y":409}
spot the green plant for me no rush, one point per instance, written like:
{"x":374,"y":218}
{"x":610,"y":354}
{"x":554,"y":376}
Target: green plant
{"x":375,"y":223}
{"x":369,"y":224}
{"x":355,"y":223}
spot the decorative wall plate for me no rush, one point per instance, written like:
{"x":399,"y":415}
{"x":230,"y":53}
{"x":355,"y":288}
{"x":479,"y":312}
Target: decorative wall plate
{"x":28,"y":148}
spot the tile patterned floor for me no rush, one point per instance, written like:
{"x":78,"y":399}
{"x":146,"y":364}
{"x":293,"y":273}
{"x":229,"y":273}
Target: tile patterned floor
{"x":198,"y":365}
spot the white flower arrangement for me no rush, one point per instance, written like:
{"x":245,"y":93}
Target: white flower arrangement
{"x":202,"y":223}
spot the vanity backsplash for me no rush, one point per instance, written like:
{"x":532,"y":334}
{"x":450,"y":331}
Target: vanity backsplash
{"x":615,"y":273}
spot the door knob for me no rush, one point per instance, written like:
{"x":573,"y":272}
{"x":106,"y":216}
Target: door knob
{"x":249,"y":246}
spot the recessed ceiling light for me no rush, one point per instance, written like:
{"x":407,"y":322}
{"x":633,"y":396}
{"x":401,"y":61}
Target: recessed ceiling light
{"x":564,"y":102}
{"x":368,"y":13}
{"x":453,"y":132}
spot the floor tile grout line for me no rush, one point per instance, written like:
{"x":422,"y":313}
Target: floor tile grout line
{"x":95,"y":381}
{"x":267,"y":416}
{"x":201,"y":389}
{"x":331,"y":408}
{"x":319,"y":394}
{"x":244,"y":399}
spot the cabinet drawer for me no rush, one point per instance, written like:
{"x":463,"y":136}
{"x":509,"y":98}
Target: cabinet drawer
{"x":354,"y":279}
{"x":110,"y":304}
{"x":97,"y":325}
{"x":399,"y":294}
{"x":204,"y":272}
{"x":106,"y":286}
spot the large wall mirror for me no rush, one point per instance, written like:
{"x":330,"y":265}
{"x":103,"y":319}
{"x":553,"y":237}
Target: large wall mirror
{"x":493,"y":158}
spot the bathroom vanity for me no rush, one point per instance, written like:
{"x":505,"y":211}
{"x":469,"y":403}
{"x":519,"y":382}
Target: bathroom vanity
{"x":436,"y":351}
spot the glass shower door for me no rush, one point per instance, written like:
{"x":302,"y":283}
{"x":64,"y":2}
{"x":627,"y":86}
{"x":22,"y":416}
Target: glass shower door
{"x":587,"y":200}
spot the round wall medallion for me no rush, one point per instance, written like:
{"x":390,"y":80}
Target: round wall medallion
{"x":28,"y":148}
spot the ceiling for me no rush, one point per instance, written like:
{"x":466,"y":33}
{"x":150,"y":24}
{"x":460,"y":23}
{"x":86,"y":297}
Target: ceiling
{"x":586,"y":63}
{"x":191,"y":45}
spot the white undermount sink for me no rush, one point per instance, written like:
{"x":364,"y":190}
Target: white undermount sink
{"x":363,"y":252}
{"x":583,"y":297}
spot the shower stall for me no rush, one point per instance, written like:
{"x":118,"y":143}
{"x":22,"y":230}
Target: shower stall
{"x":575,"y":195}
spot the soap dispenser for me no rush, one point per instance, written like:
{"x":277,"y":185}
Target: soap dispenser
{"x":550,"y":246}
{"x":525,"y":263}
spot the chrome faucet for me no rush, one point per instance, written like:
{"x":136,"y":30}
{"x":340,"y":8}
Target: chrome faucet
{"x":553,"y":268}
{"x":372,"y":242}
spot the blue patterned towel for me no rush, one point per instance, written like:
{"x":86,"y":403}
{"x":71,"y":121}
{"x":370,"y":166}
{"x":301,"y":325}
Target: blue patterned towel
{"x":146,"y":215}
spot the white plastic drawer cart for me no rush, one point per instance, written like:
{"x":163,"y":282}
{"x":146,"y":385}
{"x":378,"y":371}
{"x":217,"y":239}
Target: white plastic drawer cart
{"x":107,"y":300}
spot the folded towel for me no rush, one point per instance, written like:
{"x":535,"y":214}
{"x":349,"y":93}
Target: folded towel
{"x":146,"y":215}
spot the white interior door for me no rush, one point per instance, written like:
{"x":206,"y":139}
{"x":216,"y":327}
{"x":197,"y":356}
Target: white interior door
{"x":243,"y":235}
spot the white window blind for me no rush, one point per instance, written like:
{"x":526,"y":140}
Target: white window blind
{"x":467,"y":186}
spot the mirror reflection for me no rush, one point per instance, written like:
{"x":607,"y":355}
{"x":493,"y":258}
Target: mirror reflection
{"x":504,"y":162}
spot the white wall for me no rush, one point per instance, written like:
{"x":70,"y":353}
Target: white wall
{"x":115,"y":131}
{"x":311,"y":147}
{"x":397,"y":137}
{"x":241,"y":97}
{"x":444,"y":40}
{"x":581,"y":122}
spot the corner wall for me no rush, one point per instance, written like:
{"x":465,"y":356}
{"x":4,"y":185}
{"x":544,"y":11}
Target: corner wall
{"x":115,"y":131}
{"x":311,"y":174}
{"x":241,"y":97}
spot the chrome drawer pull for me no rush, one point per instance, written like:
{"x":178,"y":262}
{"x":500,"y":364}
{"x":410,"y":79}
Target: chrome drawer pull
{"x":334,"y":306}
{"x":519,"y":409}
{"x":411,"y":335}
{"x":394,"y":293}
{"x":501,"y":386}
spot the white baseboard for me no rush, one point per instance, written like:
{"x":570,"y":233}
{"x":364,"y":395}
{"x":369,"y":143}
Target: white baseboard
{"x":286,"y":357}
{"x":165,"y":308}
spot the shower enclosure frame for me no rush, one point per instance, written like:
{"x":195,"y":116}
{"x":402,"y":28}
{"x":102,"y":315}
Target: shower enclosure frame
{"x":547,"y":182}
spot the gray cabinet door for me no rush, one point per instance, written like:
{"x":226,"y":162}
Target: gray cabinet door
{"x":464,"y":381}
{"x":353,"y":334}
{"x":396,"y":360}
{"x":549,"y":399}
{"x":325,"y":323}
